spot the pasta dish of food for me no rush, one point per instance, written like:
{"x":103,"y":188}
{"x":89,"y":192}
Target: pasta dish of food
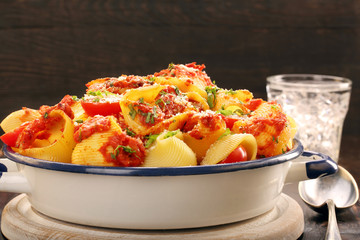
{"x":174,"y":117}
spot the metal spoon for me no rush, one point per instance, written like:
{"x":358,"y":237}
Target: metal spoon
{"x":338,"y":190}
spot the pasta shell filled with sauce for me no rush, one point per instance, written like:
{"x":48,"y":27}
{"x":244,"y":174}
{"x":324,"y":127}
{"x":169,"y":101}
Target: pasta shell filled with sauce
{"x":269,"y":125}
{"x":221,"y":149}
{"x":202,"y":130}
{"x":198,"y":100}
{"x":188,"y":77}
{"x":130,"y":108}
{"x":225,"y":98}
{"x":56,"y":143}
{"x":184,"y":86}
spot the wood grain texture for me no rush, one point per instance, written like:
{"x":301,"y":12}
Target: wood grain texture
{"x":285,"y":221}
{"x":51,"y":48}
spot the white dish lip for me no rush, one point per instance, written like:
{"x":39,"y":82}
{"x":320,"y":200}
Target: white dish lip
{"x":156,"y":171}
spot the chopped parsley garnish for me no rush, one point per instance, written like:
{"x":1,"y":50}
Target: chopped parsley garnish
{"x":275,"y":139}
{"x":79,"y":120}
{"x":46,"y":115}
{"x":132,"y":112}
{"x":125,"y":148}
{"x":150,"y":140}
{"x":92,"y":93}
{"x":226,"y":133}
{"x":211,"y":95}
{"x":231,"y":92}
{"x":152,"y":79}
{"x":159,"y":101}
{"x":239,"y":112}
{"x":171,"y":66}
{"x":80,"y":136}
{"x":177,"y":91}
{"x":150,"y":116}
{"x":171,"y":134}
{"x":75,"y":98}
{"x":225,"y":112}
{"x":162,"y":93}
{"x":228,"y":112}
{"x":129,"y":132}
{"x":99,"y":94}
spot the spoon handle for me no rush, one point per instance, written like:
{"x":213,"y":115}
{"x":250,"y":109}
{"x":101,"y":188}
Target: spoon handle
{"x":332,"y":231}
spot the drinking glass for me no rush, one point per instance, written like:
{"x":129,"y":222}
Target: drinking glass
{"x":317,"y":103}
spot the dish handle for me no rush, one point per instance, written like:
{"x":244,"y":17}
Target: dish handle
{"x":11,"y":180}
{"x":310,"y":165}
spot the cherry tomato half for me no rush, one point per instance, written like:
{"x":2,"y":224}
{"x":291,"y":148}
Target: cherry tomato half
{"x":238,"y":155}
{"x":10,"y":138}
{"x":230,"y":121}
{"x":101,"y":108}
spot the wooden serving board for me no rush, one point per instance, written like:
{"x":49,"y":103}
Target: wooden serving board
{"x":21,"y":221}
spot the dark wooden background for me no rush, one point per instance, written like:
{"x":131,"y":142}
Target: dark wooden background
{"x":51,"y":48}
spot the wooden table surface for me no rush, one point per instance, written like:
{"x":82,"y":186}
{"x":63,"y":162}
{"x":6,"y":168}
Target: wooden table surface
{"x":315,"y":223}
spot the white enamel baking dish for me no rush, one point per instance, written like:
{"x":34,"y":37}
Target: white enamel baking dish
{"x":158,"y":198}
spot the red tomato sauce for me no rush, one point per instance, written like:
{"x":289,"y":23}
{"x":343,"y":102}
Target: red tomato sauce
{"x":195,"y":126}
{"x":64,"y":105}
{"x":230,"y":120}
{"x":180,"y":71}
{"x":131,"y":152}
{"x":258,"y":126}
{"x":149,"y":115}
{"x":166,"y":102}
{"x":118,"y":85}
{"x":253,"y":104}
{"x":90,"y":126}
{"x":36,"y":129}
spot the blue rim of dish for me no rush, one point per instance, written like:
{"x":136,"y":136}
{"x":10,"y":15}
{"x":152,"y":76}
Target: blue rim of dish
{"x":157,"y":171}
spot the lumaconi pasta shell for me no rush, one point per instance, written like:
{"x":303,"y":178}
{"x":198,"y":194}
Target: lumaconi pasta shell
{"x":200,"y":146}
{"x":148,"y":94}
{"x":87,"y":151}
{"x":239,"y":110}
{"x":276,"y":130}
{"x":170,"y":124}
{"x":225,"y":98}
{"x":61,"y":141}
{"x":224,"y":146}
{"x":181,"y":84}
{"x":170,"y":152}
{"x":79,"y":112}
{"x":194,"y":96}
{"x":15,"y":119}
{"x":209,"y":135}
